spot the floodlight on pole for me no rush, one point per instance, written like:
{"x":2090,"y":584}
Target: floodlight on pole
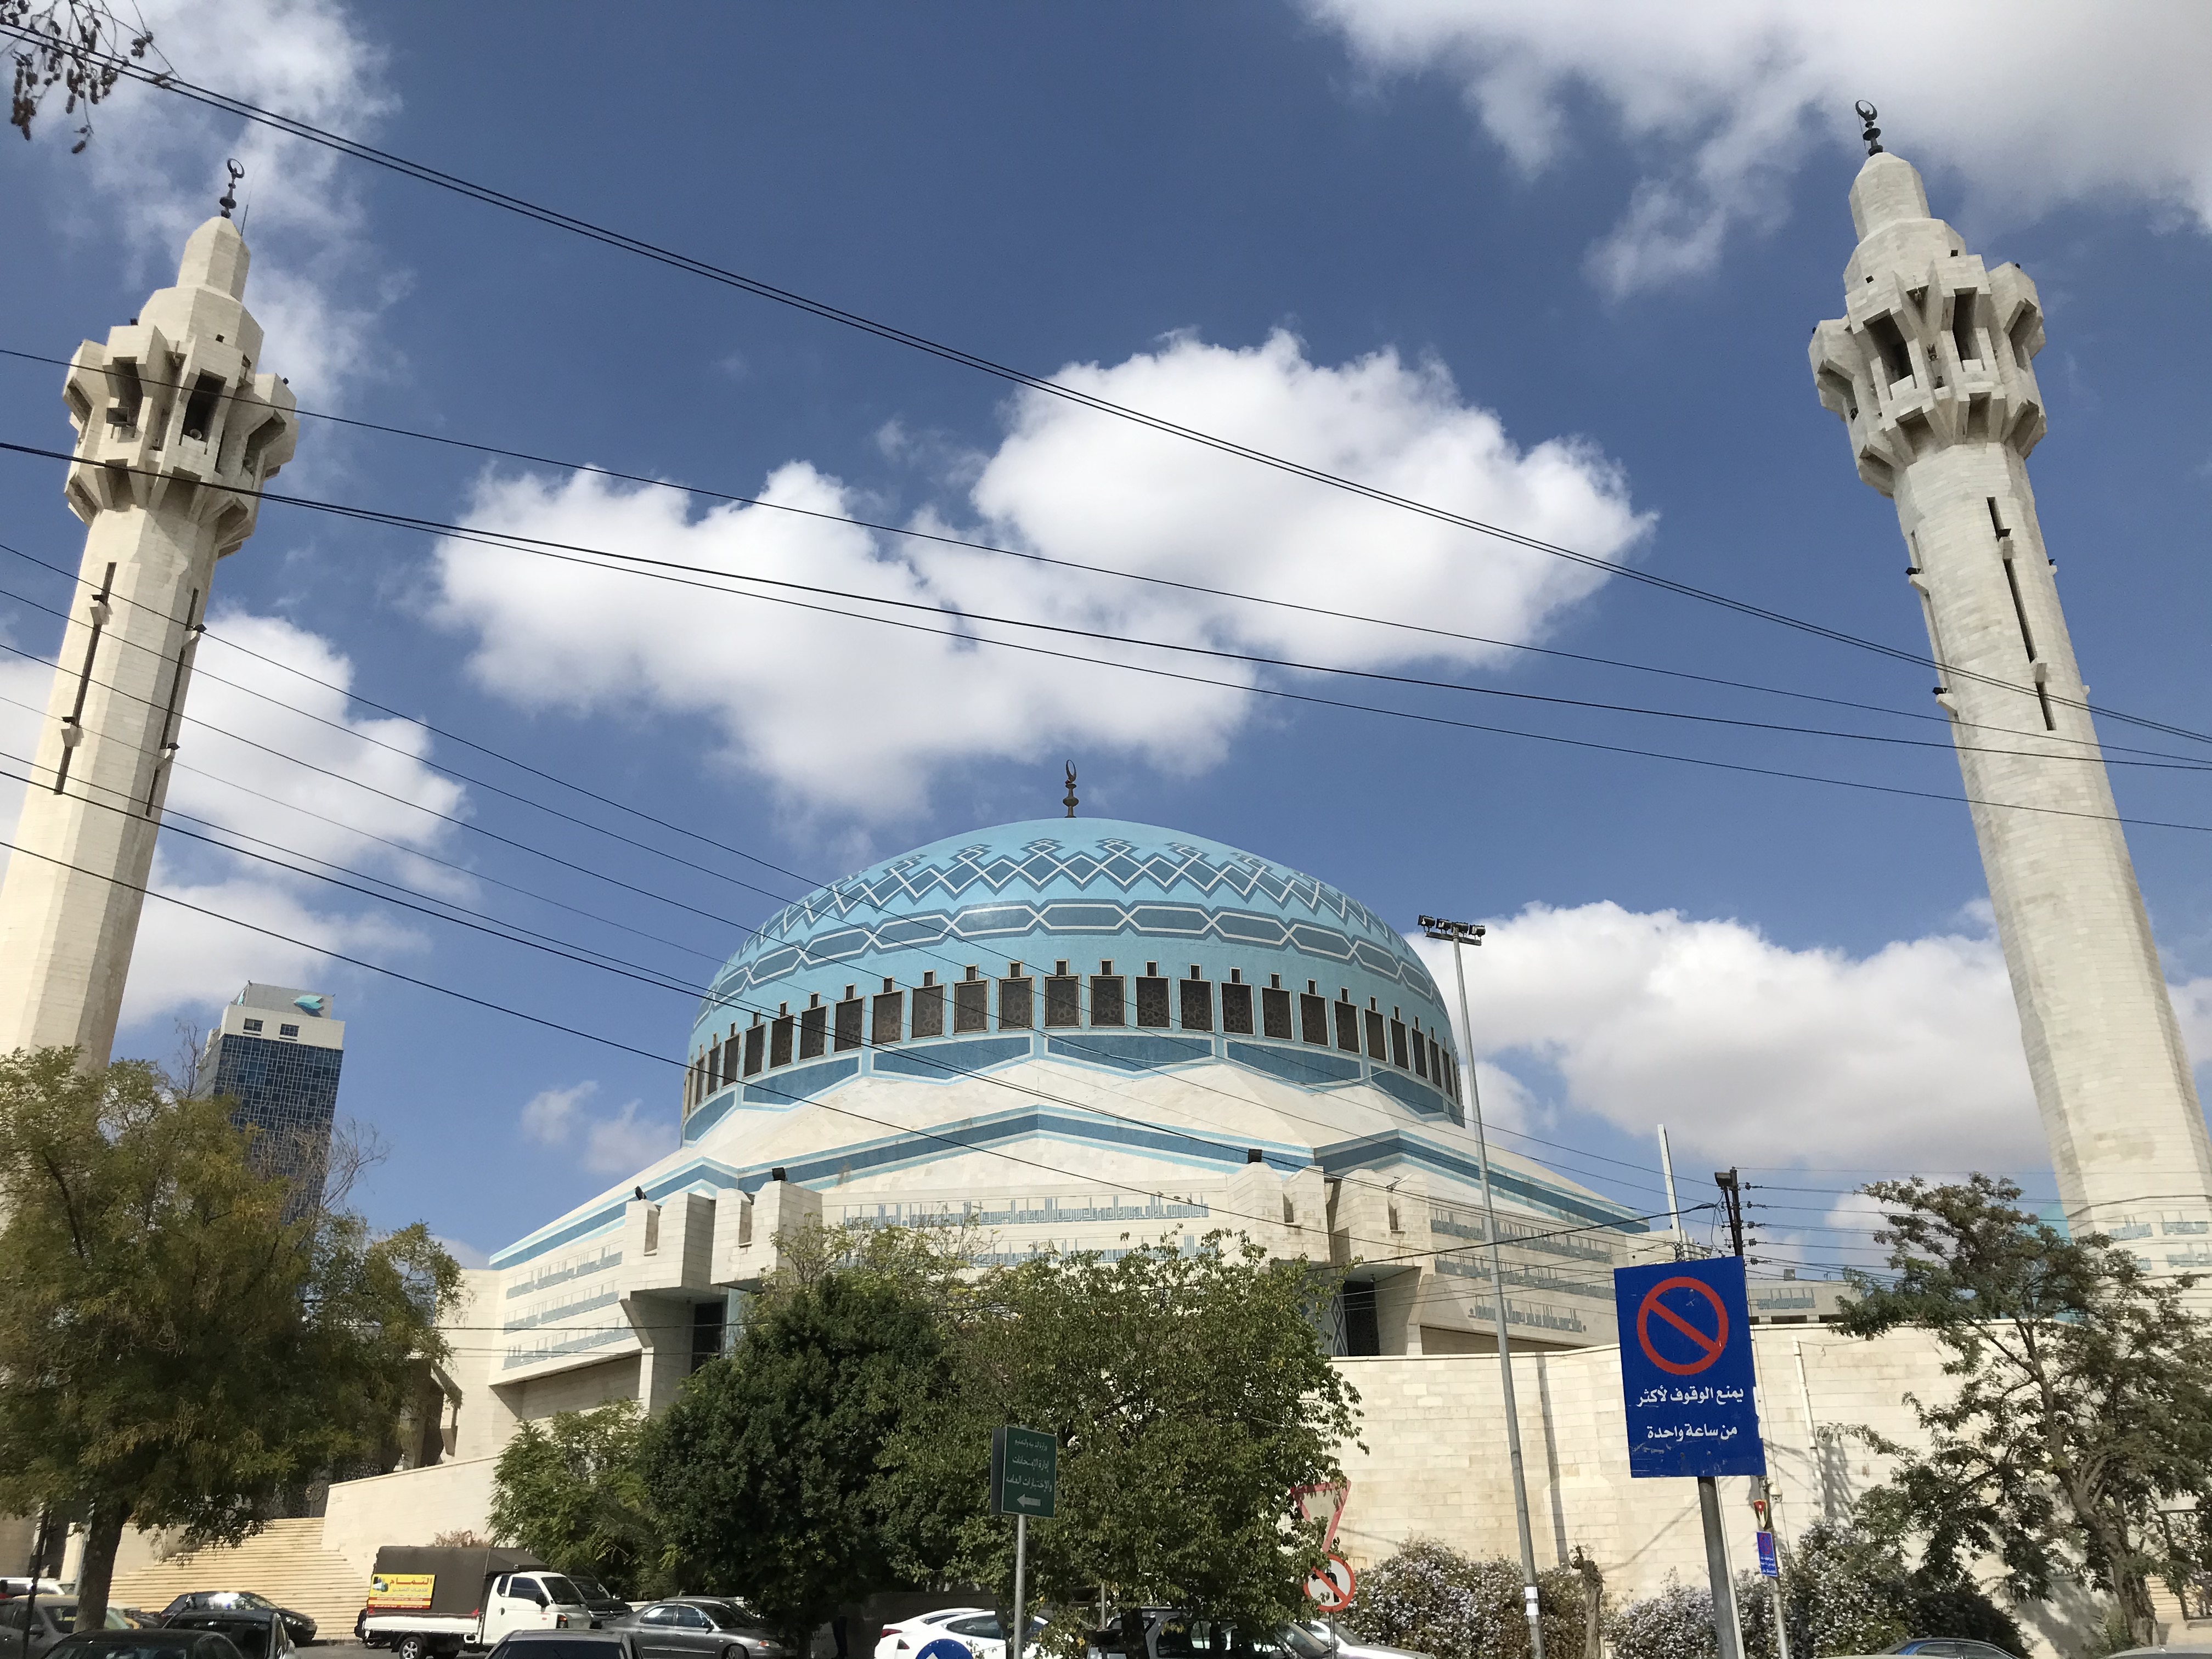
{"x":1458,"y":934}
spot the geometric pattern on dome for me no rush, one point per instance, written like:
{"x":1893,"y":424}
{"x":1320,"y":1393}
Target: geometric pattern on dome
{"x":1149,"y":919}
{"x":1046,"y":861}
{"x":881,"y":907}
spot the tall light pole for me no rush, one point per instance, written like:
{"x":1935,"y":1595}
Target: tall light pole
{"x":1458,"y":935}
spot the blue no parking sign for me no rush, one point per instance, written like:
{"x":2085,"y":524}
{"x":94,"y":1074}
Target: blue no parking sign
{"x":1685,"y":1369}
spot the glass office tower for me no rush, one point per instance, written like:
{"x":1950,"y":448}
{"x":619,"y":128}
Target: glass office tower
{"x":276,"y":1053}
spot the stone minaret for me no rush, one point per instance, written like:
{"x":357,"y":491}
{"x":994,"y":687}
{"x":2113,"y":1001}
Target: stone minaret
{"x":1930,"y":369}
{"x":176,"y":432}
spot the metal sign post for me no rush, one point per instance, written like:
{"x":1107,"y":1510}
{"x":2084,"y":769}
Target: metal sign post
{"x":1685,"y":1383}
{"x":1024,"y":1481}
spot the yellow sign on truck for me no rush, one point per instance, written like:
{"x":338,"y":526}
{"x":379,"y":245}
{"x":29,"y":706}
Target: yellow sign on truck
{"x":400,"y":1592}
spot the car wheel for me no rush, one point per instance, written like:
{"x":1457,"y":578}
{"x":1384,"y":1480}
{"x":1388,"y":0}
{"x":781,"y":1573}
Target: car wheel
{"x":412,"y":1646}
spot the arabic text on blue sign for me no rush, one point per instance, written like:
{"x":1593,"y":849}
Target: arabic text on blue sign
{"x":1685,"y":1369}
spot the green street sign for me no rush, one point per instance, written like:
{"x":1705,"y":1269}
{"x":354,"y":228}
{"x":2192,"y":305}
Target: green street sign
{"x":1024,"y":1473}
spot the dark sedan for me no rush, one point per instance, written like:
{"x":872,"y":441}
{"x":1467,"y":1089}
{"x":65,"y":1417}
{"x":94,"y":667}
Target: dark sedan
{"x":301,"y":1627}
{"x":153,"y":1643}
{"x":699,"y":1627}
{"x":256,"y":1632}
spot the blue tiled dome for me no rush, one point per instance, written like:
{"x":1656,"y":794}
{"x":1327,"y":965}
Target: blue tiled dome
{"x":1084,"y":891}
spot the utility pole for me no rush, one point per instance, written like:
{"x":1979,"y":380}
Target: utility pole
{"x":1731,"y":1185}
{"x":1458,"y":935}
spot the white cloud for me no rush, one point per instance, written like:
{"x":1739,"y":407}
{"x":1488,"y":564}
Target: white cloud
{"x":467,"y":1254}
{"x":1754,"y":1053}
{"x":186,"y":961}
{"x":345,"y":787}
{"x":619,"y":1144}
{"x":549,"y":1117}
{"x":2043,"y":103}
{"x":154,"y":169}
{"x":261,"y":766}
{"x":856,"y":718}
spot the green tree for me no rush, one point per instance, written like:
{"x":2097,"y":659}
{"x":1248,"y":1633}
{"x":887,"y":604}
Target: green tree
{"x":174,"y":1352}
{"x":1189,"y":1395}
{"x":572,"y":1489}
{"x":2084,"y":1406}
{"x":764,"y":1471}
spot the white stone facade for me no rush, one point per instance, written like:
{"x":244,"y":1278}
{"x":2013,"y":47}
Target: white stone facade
{"x":177,"y":431}
{"x":1931,"y":369}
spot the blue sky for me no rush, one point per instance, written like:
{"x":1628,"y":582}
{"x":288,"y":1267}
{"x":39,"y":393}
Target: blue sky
{"x":1549,"y":271}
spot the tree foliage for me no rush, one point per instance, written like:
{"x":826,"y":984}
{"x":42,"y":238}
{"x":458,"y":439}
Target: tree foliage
{"x":572,"y":1489}
{"x":844,"y":1444}
{"x":78,"y":45}
{"x":175,"y":1352}
{"x":765,"y":1470}
{"x":1429,"y":1597}
{"x":2084,"y":1405}
{"x":1188,"y":1394}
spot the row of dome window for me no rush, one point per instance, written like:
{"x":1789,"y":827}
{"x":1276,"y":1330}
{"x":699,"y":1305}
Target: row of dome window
{"x":1285,"y":1016}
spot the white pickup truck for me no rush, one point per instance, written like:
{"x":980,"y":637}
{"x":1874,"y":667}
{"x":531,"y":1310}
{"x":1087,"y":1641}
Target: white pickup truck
{"x":431,"y":1602}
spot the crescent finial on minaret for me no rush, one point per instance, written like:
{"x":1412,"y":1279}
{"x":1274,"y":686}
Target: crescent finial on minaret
{"x":1873,"y":133}
{"x":1069,"y":801}
{"x":229,"y":198}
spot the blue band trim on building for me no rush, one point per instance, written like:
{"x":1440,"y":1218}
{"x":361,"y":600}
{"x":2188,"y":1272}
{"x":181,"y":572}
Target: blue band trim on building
{"x":943,"y":1062}
{"x":1370,"y":1150}
{"x":1136,"y":1052}
{"x":1312,"y":1068}
{"x":1416,"y":1096}
{"x":802,"y":1082}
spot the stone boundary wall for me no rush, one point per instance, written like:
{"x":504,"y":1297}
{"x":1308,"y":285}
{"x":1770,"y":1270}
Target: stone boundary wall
{"x":1435,"y":1466}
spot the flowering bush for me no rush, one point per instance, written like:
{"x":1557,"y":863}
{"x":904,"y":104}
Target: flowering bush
{"x":1430,"y":1598}
{"x":1676,"y":1624}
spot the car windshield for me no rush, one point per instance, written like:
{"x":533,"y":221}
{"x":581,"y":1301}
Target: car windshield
{"x":562,"y":1590}
{"x":1305,"y":1643}
{"x":593,"y":1589}
{"x":725,"y":1616}
{"x":579,"y":1646}
{"x":152,"y":1646}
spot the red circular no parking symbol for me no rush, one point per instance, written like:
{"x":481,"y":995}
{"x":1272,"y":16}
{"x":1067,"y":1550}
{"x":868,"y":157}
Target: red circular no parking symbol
{"x":1710,"y":1345}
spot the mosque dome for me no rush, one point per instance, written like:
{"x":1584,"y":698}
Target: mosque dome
{"x":1121,"y":944}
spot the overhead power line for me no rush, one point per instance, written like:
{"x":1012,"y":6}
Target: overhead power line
{"x":1172,"y":584}
{"x":295,"y":127}
{"x":671,"y":572}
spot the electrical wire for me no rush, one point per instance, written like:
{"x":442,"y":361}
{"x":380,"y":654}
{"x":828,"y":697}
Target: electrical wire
{"x":547,"y":551}
{"x":295,"y":127}
{"x":966,"y":545}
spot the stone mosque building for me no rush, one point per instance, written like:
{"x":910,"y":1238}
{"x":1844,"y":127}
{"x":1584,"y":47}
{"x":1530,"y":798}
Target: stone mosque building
{"x":1085,"y":1034}
{"x":1070,"y":1034}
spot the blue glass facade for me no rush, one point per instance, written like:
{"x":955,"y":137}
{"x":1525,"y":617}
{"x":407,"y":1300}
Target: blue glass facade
{"x":289,"y":1092}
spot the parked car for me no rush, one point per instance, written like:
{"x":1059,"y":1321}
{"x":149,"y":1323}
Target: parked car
{"x":697,"y":1627}
{"x":2192,"y":1652}
{"x":566,"y":1644}
{"x":155,"y":1641}
{"x":48,"y":1622}
{"x":1944,"y":1647}
{"x":302,"y":1626}
{"x":140,"y":1618}
{"x":976,"y":1628}
{"x":606,"y":1607}
{"x":256,"y":1632}
{"x":1171,"y":1633}
{"x":1339,"y":1641}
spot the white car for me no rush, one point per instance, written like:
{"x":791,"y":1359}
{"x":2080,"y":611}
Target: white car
{"x":976,"y":1629}
{"x":1346,"y":1646}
